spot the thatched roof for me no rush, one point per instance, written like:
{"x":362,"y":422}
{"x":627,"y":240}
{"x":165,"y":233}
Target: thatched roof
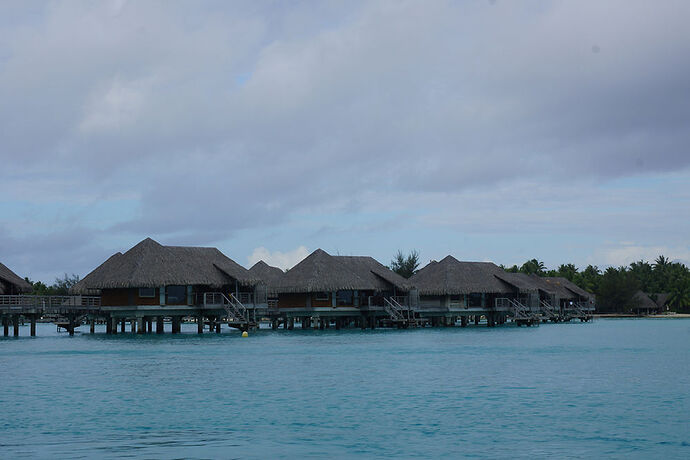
{"x":643,"y":302}
{"x":376,"y":272}
{"x":521,"y":281}
{"x":149,"y":264}
{"x":321,"y":272}
{"x":550,"y":286}
{"x":270,"y":276}
{"x":450,"y":276}
{"x":569,"y":285}
{"x":9,"y":277}
{"x":662,"y":298}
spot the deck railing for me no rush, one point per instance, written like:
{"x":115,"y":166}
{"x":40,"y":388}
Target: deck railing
{"x":50,"y":302}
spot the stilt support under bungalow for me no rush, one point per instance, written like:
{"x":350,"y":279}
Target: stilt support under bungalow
{"x":133,"y":326}
{"x":463,"y":321}
{"x":92,"y":326}
{"x":113,"y":326}
{"x":199,"y":324}
{"x":15,"y":325}
{"x":291,"y":323}
{"x":141,"y":325}
{"x":123,"y":325}
{"x":217,"y":325}
{"x":159,"y":325}
{"x":477,"y":318}
{"x":176,"y":324}
{"x":5,"y":326}
{"x":33,"y":325}
{"x":149,"y":327}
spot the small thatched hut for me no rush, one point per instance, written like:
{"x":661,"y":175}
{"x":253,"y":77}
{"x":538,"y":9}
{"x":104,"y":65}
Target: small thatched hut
{"x":644,"y":305}
{"x":11,"y":283}
{"x":153,"y":274}
{"x":322,"y":280}
{"x":569,"y":292}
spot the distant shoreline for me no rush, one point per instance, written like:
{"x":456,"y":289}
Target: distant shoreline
{"x":631,"y":315}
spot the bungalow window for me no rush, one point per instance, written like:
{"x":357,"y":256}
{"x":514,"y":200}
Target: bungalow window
{"x":322,"y":296}
{"x":344,"y":298}
{"x":147,"y":292}
{"x":176,"y":295}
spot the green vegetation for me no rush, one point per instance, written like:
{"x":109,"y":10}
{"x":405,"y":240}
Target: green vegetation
{"x":615,"y":288}
{"x":405,"y":266}
{"x":60,"y":287}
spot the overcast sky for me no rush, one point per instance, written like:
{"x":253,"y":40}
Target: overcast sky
{"x":489,"y":130}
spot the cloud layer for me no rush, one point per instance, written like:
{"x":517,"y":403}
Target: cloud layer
{"x":211,"y":123}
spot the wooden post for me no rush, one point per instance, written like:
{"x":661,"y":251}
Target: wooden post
{"x":5,"y":326}
{"x":315,"y":324}
{"x":113,"y":325}
{"x":363,"y":322}
{"x":477,"y":318}
{"x":291,"y":323}
{"x":176,"y":327}
{"x":463,"y":321}
{"x":92,"y":328}
{"x":372,"y":322}
{"x":337,"y":324}
{"x":141,"y":325}
{"x":71,"y":324}
{"x":108,"y":325}
{"x":15,"y":325}
{"x":217,"y":325}
{"x":159,"y":325}
{"x":274,"y":324}
{"x":149,"y":328}
{"x":33,"y":325}
{"x":199,"y":324}
{"x":133,"y":326}
{"x":123,"y":326}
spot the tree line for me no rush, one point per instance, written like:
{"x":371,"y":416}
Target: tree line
{"x":61,"y":286}
{"x":614,"y":287}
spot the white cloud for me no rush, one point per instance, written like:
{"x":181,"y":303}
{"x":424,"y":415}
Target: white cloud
{"x":626,"y":252}
{"x":278,"y":259}
{"x":116,"y":106}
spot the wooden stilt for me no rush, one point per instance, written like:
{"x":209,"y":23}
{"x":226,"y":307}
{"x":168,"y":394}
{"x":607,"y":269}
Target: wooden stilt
{"x":92,"y":326}
{"x":291,"y":323}
{"x":113,"y":325}
{"x":463,"y":321}
{"x":33,"y":325}
{"x":477,"y":318}
{"x":141,"y":325}
{"x":176,"y":327}
{"x":217,"y":325}
{"x":199,"y":324}
{"x":149,"y":327}
{"x":133,"y":326}
{"x":5,"y":326}
{"x":123,"y":325}
{"x":159,"y":325}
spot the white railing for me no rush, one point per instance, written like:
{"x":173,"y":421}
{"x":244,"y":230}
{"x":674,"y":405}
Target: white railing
{"x":548,"y":309}
{"x":233,"y":307}
{"x":519,"y":310}
{"x":50,"y":302}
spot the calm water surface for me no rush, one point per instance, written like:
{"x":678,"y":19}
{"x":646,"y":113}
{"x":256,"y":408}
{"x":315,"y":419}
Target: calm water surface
{"x":614,"y":388}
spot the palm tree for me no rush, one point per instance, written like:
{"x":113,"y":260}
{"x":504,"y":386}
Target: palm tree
{"x":533,"y":266}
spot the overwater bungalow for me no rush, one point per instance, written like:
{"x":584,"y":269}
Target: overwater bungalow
{"x":152,"y":280}
{"x":11,"y":283}
{"x":153,"y":274}
{"x":450,"y":288}
{"x":325,"y":286}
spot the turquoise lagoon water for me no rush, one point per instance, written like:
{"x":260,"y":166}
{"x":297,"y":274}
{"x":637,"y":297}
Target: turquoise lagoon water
{"x":613,"y":388}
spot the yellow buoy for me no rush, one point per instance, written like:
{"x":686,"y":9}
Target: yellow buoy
{"x":244,"y":334}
